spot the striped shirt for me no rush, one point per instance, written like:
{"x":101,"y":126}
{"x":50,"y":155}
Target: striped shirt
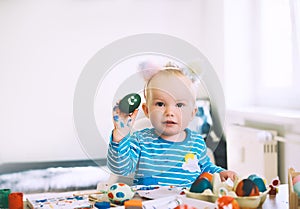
{"x":156,"y":161}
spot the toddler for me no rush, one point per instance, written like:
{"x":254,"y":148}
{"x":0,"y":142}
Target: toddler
{"x":169,"y":154}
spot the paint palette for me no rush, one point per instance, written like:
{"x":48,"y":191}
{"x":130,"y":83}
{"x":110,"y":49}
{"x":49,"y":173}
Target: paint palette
{"x":155,"y":192}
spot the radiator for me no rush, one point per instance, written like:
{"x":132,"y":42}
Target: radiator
{"x":252,"y":151}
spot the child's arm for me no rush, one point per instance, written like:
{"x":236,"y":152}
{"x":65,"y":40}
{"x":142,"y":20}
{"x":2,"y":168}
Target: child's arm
{"x":205,"y":163}
{"x":122,"y":156}
{"x":208,"y":166}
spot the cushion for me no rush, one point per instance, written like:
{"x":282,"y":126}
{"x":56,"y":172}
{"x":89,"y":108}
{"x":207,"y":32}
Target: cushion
{"x":202,"y":122}
{"x":55,"y":179}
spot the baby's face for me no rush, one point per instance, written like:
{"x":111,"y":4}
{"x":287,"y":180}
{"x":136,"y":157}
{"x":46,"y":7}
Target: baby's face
{"x":170,"y":105}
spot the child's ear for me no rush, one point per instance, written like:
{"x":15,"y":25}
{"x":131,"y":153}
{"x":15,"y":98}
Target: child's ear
{"x":145,"y":109}
{"x":194,"y":111}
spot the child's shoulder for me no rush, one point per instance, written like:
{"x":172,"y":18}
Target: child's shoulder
{"x":194,"y":134}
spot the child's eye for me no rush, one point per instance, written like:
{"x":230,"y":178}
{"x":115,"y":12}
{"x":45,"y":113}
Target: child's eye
{"x":179,"y":105}
{"x":160,"y":104}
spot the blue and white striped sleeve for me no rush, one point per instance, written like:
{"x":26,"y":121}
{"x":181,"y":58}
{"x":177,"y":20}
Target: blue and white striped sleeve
{"x":122,"y":157}
{"x":206,"y":165}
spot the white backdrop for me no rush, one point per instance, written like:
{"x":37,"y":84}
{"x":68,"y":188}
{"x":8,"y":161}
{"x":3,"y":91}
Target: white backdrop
{"x":44,"y":46}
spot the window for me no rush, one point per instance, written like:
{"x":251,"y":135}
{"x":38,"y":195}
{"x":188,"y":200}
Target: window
{"x":278,"y":80}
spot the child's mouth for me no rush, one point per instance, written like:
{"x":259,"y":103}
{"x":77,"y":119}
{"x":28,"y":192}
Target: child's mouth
{"x":169,"y":122}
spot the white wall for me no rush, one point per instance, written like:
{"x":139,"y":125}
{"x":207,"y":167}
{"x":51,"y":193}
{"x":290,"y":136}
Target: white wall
{"x":242,"y":68}
{"x":241,"y":53}
{"x":45,"y":46}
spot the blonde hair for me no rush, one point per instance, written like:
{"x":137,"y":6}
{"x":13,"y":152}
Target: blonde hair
{"x":172,"y":70}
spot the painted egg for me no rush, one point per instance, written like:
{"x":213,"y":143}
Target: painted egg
{"x":129,"y":103}
{"x":200,"y":185}
{"x":225,"y":202}
{"x":246,"y":187}
{"x":296,"y":179}
{"x":297,"y":188}
{"x":260,"y":184}
{"x":206,"y":175}
{"x":252,"y":176}
{"x":118,"y":193}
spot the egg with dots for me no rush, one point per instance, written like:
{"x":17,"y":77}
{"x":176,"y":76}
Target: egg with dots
{"x":118,"y":193}
{"x":246,"y":187}
{"x":226,"y":202}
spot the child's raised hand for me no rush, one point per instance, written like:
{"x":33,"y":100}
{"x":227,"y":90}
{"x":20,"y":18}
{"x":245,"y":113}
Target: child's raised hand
{"x":123,"y":122}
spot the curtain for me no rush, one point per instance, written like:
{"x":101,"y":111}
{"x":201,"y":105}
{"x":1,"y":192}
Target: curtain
{"x":295,"y":20}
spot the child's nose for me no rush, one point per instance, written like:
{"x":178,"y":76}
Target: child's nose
{"x":169,"y":111}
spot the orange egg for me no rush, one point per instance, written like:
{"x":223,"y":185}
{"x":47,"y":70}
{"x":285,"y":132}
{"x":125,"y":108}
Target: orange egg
{"x":246,"y":187}
{"x":227,"y":202}
{"x":206,"y":175}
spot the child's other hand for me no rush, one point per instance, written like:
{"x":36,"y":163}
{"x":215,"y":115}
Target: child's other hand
{"x":227,"y":174}
{"x":123,"y":123}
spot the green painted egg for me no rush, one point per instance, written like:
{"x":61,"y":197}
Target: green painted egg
{"x":129,"y":103}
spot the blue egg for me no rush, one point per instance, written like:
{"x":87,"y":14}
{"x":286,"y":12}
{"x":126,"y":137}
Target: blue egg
{"x":200,"y":185}
{"x":252,"y":176}
{"x":297,"y":188}
{"x":260,"y":184}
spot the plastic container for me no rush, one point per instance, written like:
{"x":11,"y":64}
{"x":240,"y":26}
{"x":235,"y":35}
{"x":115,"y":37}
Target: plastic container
{"x":244,"y":202}
{"x":4,"y":198}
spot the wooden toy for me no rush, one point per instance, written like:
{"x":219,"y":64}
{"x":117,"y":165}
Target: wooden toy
{"x":294,"y":199}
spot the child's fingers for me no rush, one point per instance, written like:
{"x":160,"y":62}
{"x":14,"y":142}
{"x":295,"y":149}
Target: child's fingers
{"x":116,"y":111}
{"x":134,"y":114}
{"x":132,"y":118}
{"x":117,"y":114}
{"x":123,"y":122}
